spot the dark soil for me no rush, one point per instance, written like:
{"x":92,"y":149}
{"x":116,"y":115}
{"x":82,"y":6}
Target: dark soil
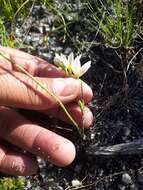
{"x":117,"y":106}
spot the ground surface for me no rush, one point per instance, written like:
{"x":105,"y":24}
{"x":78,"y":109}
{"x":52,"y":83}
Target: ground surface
{"x":117,"y":106}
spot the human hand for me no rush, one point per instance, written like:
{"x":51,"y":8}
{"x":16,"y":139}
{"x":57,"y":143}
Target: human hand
{"x":19,"y":91}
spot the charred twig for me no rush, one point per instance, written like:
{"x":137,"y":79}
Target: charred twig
{"x":134,"y":147}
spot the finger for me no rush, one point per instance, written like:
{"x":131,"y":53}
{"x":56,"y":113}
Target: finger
{"x":35,"y":139}
{"x":34,"y":65}
{"x":12,"y":163}
{"x":84,"y":119}
{"x":18,"y":90}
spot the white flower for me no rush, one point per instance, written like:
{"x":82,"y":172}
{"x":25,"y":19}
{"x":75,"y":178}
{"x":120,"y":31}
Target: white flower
{"x":60,"y":60}
{"x":72,"y":65}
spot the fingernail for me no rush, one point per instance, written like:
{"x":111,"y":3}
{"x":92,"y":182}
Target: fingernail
{"x":65,"y":148}
{"x":87,"y":89}
{"x":68,"y":149}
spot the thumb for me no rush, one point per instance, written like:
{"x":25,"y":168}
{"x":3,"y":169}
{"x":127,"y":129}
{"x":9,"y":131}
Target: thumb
{"x":18,"y":90}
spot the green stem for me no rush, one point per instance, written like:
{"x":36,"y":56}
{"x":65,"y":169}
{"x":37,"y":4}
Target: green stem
{"x":82,"y":108}
{"x":44,"y":88}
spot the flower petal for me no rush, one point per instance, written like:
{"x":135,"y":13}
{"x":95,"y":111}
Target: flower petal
{"x":64,"y":60}
{"x":85,"y":67}
{"x":57,"y":56}
{"x":76,"y":65}
{"x":70,"y":58}
{"x":60,"y":60}
{"x":57,"y":59}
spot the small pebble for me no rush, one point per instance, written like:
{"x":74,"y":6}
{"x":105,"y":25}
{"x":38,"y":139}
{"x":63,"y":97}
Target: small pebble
{"x":76,"y":183}
{"x":92,"y":136}
{"x":28,"y":39}
{"x":28,"y":184}
{"x":68,"y":50}
{"x":126,"y":179}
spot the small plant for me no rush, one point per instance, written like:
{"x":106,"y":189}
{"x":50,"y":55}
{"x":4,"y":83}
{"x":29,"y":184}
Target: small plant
{"x":5,"y":38}
{"x":72,"y":67}
{"x":12,"y":183}
{"x":118,"y":22}
{"x":3,"y":35}
{"x":10,"y":7}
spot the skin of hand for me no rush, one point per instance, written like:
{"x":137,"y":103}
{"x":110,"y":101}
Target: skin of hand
{"x":18,"y":91}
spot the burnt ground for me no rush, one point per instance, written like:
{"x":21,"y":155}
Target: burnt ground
{"x":117,"y":106}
